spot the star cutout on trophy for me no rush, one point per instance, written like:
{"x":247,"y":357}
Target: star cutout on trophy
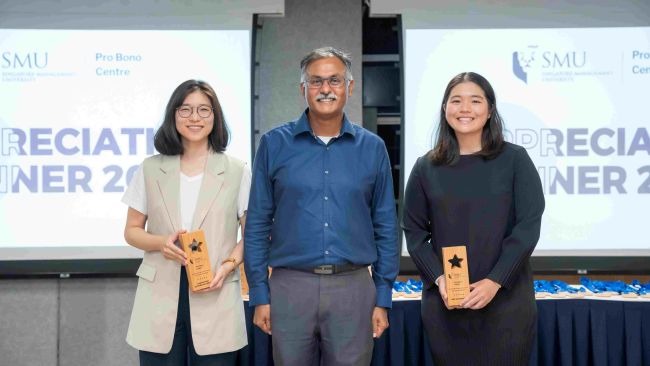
{"x":455,"y":261}
{"x":196,"y":246}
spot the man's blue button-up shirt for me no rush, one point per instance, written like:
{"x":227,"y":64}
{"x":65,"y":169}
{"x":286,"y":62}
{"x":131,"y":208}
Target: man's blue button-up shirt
{"x":313,"y":203}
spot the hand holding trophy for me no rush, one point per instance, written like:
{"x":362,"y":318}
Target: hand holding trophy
{"x":199,"y":273}
{"x":456,"y":274}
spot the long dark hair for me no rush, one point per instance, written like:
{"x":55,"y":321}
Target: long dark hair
{"x":446,"y":150}
{"x":167,"y":139}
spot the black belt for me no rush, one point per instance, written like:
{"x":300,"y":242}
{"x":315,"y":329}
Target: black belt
{"x":328,"y":269}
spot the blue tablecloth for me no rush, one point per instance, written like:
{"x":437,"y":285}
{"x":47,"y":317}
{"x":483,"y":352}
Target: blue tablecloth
{"x":571,"y":332}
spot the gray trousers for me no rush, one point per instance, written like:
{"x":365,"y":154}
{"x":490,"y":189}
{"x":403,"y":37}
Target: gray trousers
{"x":322,"y":319}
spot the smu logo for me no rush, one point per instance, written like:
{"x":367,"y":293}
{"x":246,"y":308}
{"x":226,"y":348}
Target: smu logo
{"x":546,"y":64}
{"x":564,"y":60}
{"x":521,"y":64}
{"x":26,"y":60}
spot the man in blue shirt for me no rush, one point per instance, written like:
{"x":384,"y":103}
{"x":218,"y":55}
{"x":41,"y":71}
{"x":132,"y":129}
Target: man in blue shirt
{"x":322,"y":211}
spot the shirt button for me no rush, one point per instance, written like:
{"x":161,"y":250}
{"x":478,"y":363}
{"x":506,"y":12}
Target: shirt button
{"x":327,"y":172}
{"x":326,"y":224}
{"x":327,"y":148}
{"x":327,"y":252}
{"x":325,"y":198}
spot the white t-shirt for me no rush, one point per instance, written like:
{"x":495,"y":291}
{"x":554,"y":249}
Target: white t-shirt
{"x":326,"y":139}
{"x":190,"y":189}
{"x":136,"y":197}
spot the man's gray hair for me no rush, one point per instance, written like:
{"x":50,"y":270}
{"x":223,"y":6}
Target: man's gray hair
{"x":326,"y":52}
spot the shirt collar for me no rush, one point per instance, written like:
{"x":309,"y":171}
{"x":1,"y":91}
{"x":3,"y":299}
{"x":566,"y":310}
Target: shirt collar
{"x":302,"y":125}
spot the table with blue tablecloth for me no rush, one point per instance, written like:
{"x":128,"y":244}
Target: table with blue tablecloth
{"x":585,"y":331}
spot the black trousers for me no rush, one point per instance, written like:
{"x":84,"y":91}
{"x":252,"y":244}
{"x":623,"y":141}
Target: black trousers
{"x":183,"y":352}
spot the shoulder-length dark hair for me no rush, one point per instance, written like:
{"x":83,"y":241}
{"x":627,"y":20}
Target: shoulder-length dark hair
{"x":446,"y":150}
{"x":167,"y":139}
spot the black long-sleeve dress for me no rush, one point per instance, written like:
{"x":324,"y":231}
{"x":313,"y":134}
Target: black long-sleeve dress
{"x":494,"y":207}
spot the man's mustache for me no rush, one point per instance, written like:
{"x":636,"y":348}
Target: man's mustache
{"x":322,"y":96}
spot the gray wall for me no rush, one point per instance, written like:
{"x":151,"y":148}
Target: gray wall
{"x":139,"y":14}
{"x":66,"y":322}
{"x":29,"y":322}
{"x":454,"y":14}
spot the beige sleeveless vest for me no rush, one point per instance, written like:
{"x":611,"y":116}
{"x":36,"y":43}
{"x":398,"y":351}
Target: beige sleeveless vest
{"x":217,"y":317}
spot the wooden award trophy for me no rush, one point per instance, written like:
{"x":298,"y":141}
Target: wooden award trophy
{"x":456,"y":274}
{"x":199,"y":273}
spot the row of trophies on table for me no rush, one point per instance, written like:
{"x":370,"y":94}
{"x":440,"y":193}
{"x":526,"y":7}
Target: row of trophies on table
{"x":591,"y":288}
{"x":413,"y":289}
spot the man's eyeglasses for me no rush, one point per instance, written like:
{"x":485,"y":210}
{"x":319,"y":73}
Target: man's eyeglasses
{"x":203,"y":111}
{"x":333,"y":81}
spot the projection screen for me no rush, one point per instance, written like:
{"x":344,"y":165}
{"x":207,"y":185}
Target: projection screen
{"x":576,"y":99}
{"x":78,"y":112}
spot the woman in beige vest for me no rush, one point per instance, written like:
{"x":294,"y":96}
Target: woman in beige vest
{"x":190,"y":185}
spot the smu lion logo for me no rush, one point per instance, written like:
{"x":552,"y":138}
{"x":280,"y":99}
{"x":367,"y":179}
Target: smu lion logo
{"x":521,"y":63}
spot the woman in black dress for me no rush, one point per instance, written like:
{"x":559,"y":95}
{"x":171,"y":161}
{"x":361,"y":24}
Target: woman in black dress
{"x":477,"y":190}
